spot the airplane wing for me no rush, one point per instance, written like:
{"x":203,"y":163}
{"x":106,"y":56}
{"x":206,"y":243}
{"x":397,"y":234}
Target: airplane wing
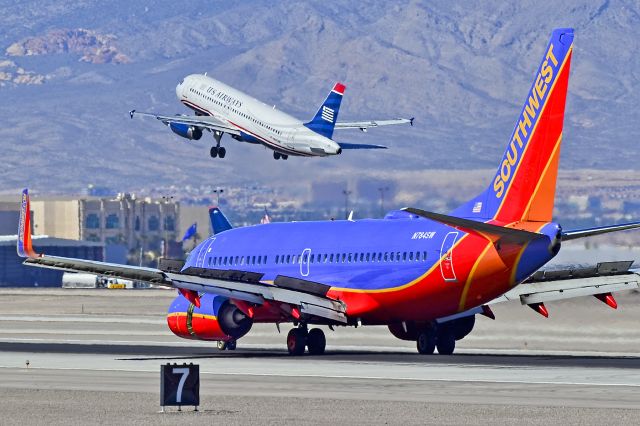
{"x":206,"y":122}
{"x":302,"y":300}
{"x":367,"y":124}
{"x":556,"y":284}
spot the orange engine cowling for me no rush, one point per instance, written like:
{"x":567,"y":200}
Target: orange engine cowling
{"x":215,"y":319}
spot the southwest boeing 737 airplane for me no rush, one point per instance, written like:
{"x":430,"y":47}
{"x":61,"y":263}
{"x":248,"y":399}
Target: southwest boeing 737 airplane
{"x":424,"y":275}
{"x":222,"y":109}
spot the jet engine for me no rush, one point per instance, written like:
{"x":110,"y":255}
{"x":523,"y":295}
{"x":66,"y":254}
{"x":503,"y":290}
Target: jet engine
{"x":216,"y":319}
{"x":186,"y":131}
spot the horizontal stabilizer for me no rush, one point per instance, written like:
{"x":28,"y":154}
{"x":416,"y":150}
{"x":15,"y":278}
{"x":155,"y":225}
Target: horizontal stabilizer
{"x":364,"y":125}
{"x":581,"y":233}
{"x":360,"y":146}
{"x":484,"y":229}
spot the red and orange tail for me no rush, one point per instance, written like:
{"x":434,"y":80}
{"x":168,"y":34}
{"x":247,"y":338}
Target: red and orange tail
{"x":523,"y":188}
{"x":24,"y":247}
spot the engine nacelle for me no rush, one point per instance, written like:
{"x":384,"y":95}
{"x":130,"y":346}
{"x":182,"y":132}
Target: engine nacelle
{"x":216,"y":319}
{"x":186,"y":131}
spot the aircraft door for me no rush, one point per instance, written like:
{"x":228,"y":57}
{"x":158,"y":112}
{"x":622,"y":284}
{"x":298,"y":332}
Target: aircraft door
{"x":202,"y":254}
{"x":304,"y":262}
{"x":446,"y":262}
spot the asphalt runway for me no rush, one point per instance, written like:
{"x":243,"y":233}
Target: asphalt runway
{"x":94,"y":357}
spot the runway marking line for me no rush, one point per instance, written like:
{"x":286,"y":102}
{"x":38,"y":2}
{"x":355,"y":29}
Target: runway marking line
{"x":319,"y":376}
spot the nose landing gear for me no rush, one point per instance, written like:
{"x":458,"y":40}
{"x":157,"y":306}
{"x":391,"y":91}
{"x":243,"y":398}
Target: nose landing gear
{"x":229,"y":345}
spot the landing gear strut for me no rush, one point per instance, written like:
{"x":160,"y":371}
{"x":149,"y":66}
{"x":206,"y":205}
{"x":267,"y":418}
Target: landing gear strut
{"x":217,"y":151}
{"x":299,"y":338}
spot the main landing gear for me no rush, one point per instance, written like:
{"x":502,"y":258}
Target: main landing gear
{"x":217,"y":151}
{"x":277,"y":156}
{"x":299,"y":338}
{"x":429,"y":339}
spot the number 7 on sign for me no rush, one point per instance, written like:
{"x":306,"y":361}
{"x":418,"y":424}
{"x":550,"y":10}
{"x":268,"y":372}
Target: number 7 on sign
{"x":185,"y":374}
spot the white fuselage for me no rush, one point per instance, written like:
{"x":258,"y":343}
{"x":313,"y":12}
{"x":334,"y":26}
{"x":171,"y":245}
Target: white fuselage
{"x":256,"y":121}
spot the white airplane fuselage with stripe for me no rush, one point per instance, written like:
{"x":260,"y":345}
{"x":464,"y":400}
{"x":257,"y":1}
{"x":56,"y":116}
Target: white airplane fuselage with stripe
{"x":259,"y":122}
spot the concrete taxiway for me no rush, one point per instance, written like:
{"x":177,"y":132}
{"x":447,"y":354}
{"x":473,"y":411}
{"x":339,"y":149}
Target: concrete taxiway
{"x":94,"y":356}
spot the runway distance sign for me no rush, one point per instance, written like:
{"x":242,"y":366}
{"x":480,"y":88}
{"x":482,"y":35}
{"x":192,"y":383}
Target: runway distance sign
{"x":179,"y":385}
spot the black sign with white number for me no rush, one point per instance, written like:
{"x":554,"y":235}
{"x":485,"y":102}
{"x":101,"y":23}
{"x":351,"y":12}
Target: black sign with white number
{"x":180,"y":384}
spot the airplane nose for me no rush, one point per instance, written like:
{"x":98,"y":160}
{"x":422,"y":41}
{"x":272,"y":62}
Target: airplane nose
{"x":179,"y":90}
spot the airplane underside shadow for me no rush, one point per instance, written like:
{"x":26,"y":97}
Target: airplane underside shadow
{"x":164,"y":353}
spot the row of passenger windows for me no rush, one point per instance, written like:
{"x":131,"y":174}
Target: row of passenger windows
{"x":354,"y":257}
{"x":247,"y":116}
{"x":237,"y":260}
{"x":418,"y":256}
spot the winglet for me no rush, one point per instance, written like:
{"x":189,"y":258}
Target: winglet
{"x":411,"y":121}
{"x":24,"y":247}
{"x":133,"y":111}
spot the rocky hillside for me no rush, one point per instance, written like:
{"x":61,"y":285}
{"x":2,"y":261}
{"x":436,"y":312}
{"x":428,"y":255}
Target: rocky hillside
{"x":69,"y":77}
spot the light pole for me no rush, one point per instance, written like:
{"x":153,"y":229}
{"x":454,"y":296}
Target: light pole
{"x":165,"y":200}
{"x":382,"y":191}
{"x":346,"y":194}
{"x":218,"y":191}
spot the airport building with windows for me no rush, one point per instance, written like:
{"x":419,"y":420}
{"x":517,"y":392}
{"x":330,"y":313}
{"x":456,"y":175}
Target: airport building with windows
{"x":125,"y":221}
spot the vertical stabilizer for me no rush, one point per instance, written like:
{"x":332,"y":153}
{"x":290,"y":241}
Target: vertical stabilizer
{"x":219,"y":222}
{"x":523,"y":188}
{"x":325,"y":119}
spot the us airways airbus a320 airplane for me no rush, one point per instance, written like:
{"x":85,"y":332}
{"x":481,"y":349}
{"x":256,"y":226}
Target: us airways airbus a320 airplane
{"x":424,"y":275}
{"x":222,"y":109}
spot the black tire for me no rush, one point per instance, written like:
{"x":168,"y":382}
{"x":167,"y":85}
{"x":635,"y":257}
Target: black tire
{"x":276,"y":155}
{"x":426,"y":342}
{"x":316,"y":342}
{"x":296,"y":341}
{"x":213,"y":152}
{"x":446,"y":343}
{"x":231,"y":345}
{"x":222,"y":151}
{"x":285,"y":157}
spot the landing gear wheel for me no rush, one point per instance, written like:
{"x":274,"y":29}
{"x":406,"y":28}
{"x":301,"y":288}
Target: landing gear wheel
{"x":213,"y":152}
{"x":284,"y":157}
{"x":446,"y":343}
{"x":426,"y":342}
{"x":222,"y":151}
{"x":296,"y":341}
{"x":316,"y":342}
{"x":231,"y":345}
{"x":222,"y":345}
{"x":276,"y":155}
